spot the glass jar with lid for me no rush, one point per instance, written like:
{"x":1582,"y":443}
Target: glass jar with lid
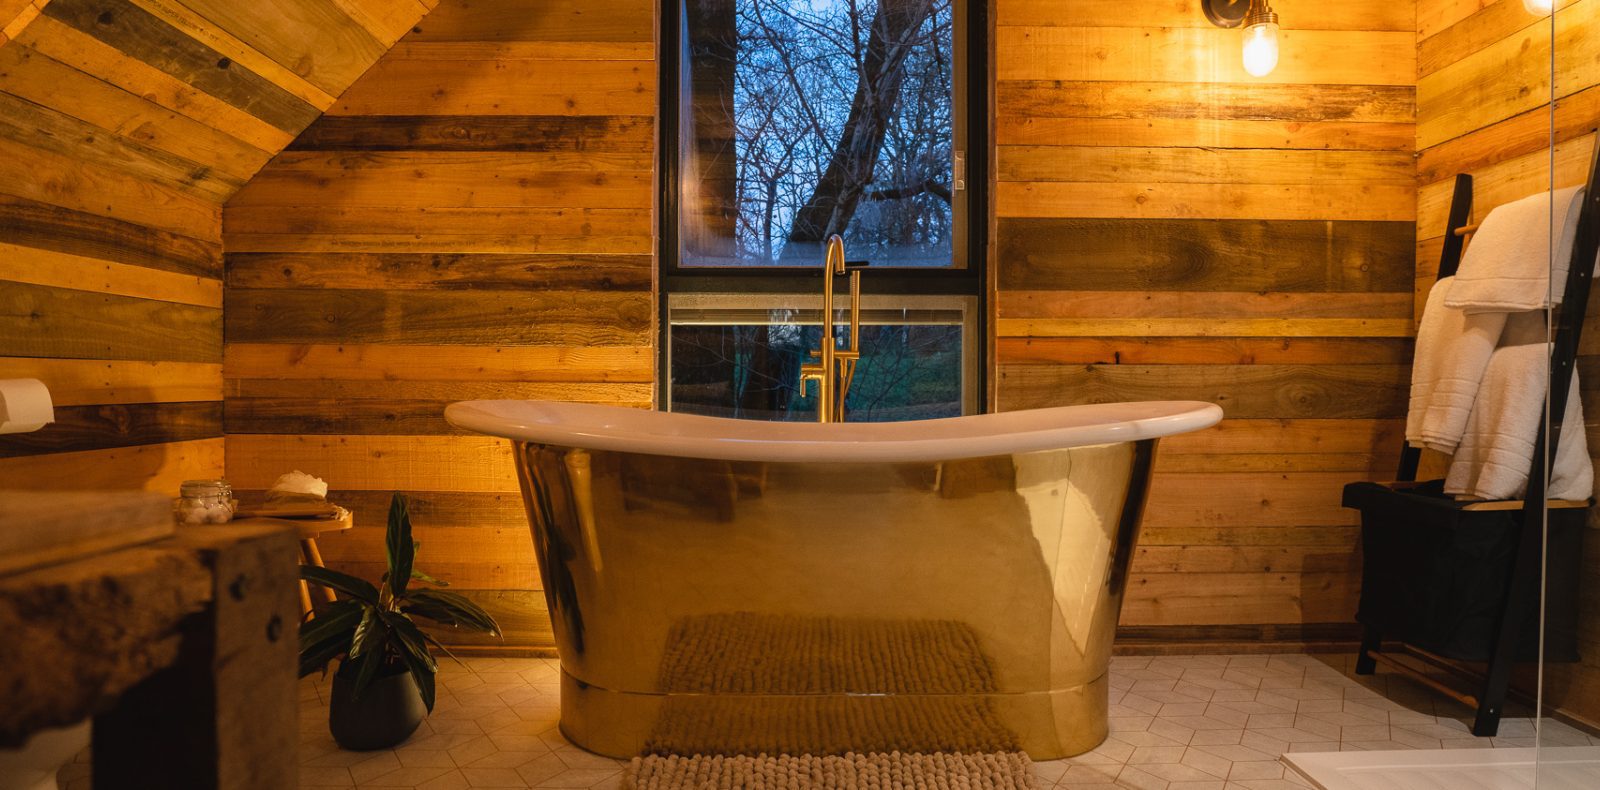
{"x":204,"y":502}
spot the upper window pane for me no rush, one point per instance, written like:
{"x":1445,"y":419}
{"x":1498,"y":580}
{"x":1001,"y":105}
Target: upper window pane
{"x":798,"y":120}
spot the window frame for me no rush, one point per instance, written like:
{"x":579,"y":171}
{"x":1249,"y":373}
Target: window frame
{"x":972,"y":102}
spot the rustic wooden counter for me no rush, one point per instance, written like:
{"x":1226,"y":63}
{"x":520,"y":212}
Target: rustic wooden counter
{"x":183,"y":651}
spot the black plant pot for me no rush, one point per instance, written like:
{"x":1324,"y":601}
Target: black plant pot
{"x":388,"y":711}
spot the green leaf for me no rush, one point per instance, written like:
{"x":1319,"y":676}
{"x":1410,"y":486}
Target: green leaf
{"x":329,"y":634}
{"x":369,"y":633}
{"x":339,"y":618}
{"x":443,"y":649}
{"x":410,"y":638}
{"x":414,"y":651}
{"x":402,"y":551}
{"x":417,"y":575}
{"x":424,"y":678}
{"x":450,"y":608}
{"x":341,"y":582}
{"x":316,"y":658}
{"x":367,"y":669}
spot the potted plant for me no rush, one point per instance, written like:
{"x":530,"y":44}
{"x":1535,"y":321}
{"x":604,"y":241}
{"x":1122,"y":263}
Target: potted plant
{"x":384,"y":685}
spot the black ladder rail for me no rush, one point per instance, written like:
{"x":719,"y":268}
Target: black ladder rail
{"x":1526,"y":573}
{"x":1449,"y":261}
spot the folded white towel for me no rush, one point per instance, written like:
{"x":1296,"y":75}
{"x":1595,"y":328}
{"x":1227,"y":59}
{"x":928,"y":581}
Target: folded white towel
{"x":1493,"y":459}
{"x":1508,"y":265}
{"x":1453,"y":348}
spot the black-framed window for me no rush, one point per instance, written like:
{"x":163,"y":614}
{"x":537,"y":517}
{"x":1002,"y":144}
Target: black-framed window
{"x":783,"y":123}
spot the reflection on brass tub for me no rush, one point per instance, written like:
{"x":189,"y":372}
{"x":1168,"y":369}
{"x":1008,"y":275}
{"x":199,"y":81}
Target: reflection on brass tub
{"x":825,"y":607}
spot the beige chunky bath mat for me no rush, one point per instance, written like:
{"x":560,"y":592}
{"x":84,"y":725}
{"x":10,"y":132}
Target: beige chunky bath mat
{"x":891,"y":771}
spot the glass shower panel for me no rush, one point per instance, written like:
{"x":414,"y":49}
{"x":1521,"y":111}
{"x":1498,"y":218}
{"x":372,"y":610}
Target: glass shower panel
{"x":1567,"y":681}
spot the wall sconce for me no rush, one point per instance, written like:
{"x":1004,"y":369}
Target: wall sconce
{"x":1539,"y":7}
{"x":1260,"y":25}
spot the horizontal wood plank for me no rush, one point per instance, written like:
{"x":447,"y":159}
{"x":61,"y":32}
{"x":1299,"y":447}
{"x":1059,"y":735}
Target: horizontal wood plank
{"x":1250,"y":100}
{"x":555,"y":363}
{"x":402,"y":408}
{"x":437,"y":317}
{"x":1201,"y":351}
{"x":543,"y":133}
{"x":1021,"y":130}
{"x":38,"y":321}
{"x":444,"y":272}
{"x":1201,"y":54}
{"x":493,"y":87}
{"x":1289,"y":436}
{"x":101,"y":427}
{"x":375,"y":463}
{"x":1210,"y":304}
{"x":31,"y":223}
{"x":1296,"y":14}
{"x":57,"y":179}
{"x":539,"y":20}
{"x":39,"y":127}
{"x":1349,"y":202}
{"x":151,"y":467}
{"x":452,"y":179}
{"x":440,"y":229}
{"x":1202,"y":256}
{"x":1243,"y":598}
{"x":1201,"y":165}
{"x":83,"y":382}
{"x":64,"y":270}
{"x":1203,"y":327}
{"x":1243,"y":391}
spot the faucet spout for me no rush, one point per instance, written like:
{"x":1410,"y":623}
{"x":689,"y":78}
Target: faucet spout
{"x":835,"y":368}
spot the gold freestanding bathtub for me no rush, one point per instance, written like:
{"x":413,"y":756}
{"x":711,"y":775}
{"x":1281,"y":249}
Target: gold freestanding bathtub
{"x":732,"y":587}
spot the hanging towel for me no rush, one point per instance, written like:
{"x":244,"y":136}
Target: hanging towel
{"x":1497,"y":450}
{"x":1453,"y":348}
{"x":1508,"y":265}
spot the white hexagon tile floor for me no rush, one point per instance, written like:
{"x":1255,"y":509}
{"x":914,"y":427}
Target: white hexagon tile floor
{"x":1177,"y":723}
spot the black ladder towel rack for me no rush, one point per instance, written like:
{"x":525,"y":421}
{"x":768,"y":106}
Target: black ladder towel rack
{"x":1391,"y":507}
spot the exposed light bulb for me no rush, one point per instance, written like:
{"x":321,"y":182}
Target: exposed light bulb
{"x":1261,"y":48}
{"x":1539,"y":7}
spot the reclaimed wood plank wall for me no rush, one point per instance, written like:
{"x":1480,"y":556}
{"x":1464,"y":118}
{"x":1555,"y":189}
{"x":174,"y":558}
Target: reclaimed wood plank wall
{"x":473,"y":219}
{"x":124,"y":126}
{"x":1484,"y":89}
{"x":1169,"y":227}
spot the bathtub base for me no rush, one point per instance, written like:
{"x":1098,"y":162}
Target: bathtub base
{"x":1047,"y":725}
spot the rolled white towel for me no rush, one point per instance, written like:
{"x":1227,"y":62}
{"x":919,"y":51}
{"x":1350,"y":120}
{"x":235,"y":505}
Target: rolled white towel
{"x":1452,"y":351}
{"x":1493,"y":459}
{"x":1509,"y":267}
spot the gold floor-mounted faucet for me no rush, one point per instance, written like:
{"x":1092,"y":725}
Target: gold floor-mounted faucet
{"x":835,"y":368}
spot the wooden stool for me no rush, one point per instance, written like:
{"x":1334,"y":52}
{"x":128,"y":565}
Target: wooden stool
{"x":307,"y":530}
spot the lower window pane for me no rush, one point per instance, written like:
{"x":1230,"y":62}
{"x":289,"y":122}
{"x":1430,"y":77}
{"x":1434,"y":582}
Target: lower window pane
{"x":744,"y":361}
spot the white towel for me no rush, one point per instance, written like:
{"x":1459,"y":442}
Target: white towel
{"x":1508,"y":265}
{"x":1453,"y":348}
{"x":1493,"y":459}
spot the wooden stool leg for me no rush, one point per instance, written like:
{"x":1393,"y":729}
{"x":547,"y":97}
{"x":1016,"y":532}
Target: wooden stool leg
{"x":306,"y":609}
{"x":308,"y":547}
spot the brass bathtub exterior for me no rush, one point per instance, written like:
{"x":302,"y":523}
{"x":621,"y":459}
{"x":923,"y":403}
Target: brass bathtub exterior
{"x":740,"y":607}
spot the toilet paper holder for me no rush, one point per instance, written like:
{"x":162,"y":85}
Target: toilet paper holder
{"x":25,"y":405}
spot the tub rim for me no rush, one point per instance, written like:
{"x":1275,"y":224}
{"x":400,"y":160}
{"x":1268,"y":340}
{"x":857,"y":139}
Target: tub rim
{"x":650,"y":432}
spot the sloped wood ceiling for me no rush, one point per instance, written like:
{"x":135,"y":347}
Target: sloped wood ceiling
{"x":124,"y":127}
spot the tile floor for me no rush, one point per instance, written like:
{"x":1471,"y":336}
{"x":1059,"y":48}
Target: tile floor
{"x":1177,"y":723}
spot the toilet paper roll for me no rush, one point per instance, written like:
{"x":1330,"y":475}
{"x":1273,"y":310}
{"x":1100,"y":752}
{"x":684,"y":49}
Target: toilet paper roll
{"x":24,"y":405}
